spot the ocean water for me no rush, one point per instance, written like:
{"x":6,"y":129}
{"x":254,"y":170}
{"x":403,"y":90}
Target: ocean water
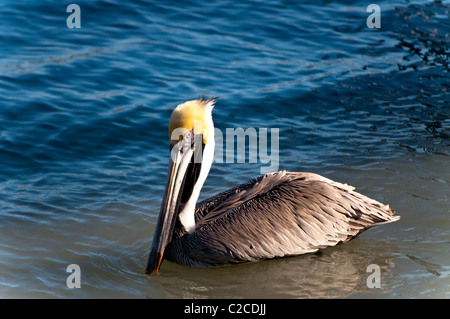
{"x":84,"y":146}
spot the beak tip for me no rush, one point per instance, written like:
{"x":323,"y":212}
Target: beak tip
{"x":152,"y":272}
{"x":153,"y":265}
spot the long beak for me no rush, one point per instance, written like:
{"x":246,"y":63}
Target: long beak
{"x":182,"y":155}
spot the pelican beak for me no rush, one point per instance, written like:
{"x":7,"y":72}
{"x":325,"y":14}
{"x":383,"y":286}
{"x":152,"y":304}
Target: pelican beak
{"x":179,"y":185}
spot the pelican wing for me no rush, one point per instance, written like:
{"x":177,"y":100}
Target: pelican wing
{"x":277,"y":215}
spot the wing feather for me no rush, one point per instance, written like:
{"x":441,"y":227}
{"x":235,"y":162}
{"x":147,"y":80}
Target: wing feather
{"x":277,"y":215}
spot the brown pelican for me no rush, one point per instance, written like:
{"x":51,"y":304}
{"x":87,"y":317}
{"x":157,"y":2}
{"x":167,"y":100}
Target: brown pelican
{"x":276,"y":215}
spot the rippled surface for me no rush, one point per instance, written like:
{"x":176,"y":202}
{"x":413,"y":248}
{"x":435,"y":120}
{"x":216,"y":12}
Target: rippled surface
{"x":83,"y":146}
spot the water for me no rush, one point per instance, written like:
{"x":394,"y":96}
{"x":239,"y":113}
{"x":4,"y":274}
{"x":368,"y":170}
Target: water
{"x":84,"y":149}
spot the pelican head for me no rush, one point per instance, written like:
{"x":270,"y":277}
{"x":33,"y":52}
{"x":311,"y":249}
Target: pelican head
{"x":191,"y":133}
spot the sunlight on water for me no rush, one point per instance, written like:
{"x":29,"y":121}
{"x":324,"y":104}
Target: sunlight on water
{"x":84,"y":146}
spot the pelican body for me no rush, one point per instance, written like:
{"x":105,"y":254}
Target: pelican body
{"x":275,"y":215}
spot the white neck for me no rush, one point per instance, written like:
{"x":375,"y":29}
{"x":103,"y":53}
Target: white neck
{"x":187,"y":216}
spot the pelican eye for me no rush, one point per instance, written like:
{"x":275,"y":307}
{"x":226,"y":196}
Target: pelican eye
{"x":187,"y":141}
{"x":188,"y":137}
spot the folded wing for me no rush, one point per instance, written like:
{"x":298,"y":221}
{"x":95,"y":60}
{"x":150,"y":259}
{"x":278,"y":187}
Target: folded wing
{"x":277,"y":215}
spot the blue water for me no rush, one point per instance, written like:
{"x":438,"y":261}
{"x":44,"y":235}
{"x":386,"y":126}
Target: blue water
{"x":84,"y":146}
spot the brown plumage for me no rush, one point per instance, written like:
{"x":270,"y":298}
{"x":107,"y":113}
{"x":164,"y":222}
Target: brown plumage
{"x":276,"y":215}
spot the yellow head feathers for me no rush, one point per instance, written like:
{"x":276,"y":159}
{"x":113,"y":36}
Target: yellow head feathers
{"x":192,"y":115}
